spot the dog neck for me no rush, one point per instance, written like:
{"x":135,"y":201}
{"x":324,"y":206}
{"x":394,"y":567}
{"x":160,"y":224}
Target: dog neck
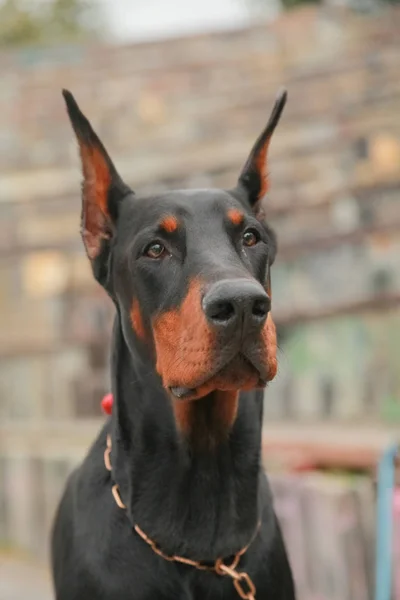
{"x":200,"y":501}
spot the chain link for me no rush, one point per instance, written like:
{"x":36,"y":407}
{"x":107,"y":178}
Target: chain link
{"x":238,"y":577}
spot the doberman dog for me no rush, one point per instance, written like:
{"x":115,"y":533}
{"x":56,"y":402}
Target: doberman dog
{"x":172,"y":501}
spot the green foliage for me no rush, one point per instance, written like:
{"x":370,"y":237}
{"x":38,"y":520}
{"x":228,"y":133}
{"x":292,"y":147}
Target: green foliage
{"x":47,"y":22}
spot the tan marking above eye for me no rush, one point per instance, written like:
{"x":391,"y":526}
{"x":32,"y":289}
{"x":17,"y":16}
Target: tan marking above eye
{"x":169,"y":224}
{"x":235,"y":216}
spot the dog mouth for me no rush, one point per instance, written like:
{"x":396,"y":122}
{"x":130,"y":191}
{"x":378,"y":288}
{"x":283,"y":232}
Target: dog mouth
{"x":182,"y":393}
{"x":238,"y":374}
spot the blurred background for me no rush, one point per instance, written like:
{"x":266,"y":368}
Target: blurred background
{"x":178,"y":91}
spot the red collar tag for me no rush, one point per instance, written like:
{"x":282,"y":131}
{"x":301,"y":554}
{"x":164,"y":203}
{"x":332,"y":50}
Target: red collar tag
{"x":107,"y":404}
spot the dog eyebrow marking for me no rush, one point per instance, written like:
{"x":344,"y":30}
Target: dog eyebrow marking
{"x":169,"y":224}
{"x":235,"y":216}
{"x":137,"y":321}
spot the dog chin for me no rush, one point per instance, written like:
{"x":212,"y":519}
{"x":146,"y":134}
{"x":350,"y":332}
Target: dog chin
{"x":238,"y":375}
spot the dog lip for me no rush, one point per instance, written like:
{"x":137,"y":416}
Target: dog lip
{"x":253,"y":358}
{"x":181,"y":392}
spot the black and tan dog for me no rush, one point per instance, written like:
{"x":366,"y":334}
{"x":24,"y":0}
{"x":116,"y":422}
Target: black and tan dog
{"x":172,"y":501}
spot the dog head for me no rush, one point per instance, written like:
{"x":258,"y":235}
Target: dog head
{"x":189,"y":270}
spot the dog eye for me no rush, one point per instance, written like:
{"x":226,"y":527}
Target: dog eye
{"x":251,"y":237}
{"x":155,"y":250}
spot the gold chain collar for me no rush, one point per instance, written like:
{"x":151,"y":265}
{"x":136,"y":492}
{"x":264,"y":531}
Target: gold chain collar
{"x":241,"y":580}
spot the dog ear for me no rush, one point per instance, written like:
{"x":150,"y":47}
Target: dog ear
{"x":102,"y":190}
{"x":254,"y":175}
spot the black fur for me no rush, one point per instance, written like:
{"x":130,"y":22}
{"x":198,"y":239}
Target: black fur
{"x":197,"y":500}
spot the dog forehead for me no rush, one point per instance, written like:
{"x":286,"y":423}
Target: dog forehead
{"x":185,"y":205}
{"x":197,"y":197}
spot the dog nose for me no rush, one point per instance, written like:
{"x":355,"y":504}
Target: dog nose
{"x":236,"y":303}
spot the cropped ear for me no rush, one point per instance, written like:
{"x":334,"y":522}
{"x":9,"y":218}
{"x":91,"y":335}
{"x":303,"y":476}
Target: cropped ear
{"x":254,"y":176}
{"x":102,"y":190}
